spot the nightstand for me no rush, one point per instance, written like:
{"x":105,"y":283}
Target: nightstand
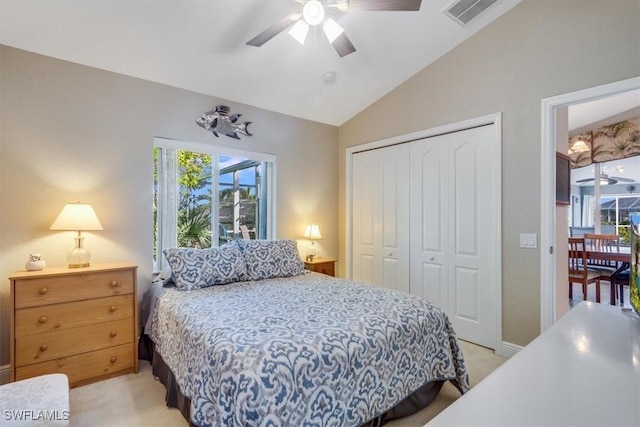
{"x":322,"y":265}
{"x":82,"y":322}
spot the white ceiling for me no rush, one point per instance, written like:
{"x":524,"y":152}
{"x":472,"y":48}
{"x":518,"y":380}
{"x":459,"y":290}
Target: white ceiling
{"x":581,"y":115}
{"x":200,"y":46}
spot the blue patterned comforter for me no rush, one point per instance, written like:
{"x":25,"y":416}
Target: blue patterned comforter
{"x":308,"y":350}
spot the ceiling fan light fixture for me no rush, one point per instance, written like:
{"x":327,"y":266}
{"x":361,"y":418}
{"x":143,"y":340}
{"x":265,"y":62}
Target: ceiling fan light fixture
{"x":332,"y":29}
{"x":342,"y":5}
{"x":313,"y":12}
{"x":299,"y":31}
{"x":579,"y":147}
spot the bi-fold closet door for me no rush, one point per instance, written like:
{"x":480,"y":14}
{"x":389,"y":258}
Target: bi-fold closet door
{"x":380,"y":217}
{"x":425,"y":222}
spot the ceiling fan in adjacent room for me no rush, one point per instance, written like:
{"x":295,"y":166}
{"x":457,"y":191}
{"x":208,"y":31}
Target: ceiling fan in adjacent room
{"x":606,"y":179}
{"x":314,"y":14}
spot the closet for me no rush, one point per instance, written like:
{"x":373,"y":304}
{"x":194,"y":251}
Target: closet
{"x":425,"y":219}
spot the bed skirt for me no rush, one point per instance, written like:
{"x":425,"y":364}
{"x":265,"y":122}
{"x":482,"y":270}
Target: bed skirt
{"x":417,"y":401}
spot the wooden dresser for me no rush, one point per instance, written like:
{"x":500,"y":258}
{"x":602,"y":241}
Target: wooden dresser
{"x":81,"y":322}
{"x":322,"y":265}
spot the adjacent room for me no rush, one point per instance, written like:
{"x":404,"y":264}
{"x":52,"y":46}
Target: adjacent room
{"x":317,"y":212}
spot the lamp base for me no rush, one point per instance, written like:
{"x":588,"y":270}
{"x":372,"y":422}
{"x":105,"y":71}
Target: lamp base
{"x":78,"y":257}
{"x":78,"y":265}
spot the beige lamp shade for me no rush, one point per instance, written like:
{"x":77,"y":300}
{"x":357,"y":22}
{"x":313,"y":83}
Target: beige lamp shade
{"x":312,"y":232}
{"x":77,"y":217}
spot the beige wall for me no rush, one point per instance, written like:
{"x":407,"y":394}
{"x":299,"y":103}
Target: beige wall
{"x":70,"y":132}
{"x":539,"y":49}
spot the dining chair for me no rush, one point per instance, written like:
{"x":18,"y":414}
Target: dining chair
{"x":580,"y":231}
{"x":603,"y":243}
{"x":622,"y":280}
{"x":579,"y":271}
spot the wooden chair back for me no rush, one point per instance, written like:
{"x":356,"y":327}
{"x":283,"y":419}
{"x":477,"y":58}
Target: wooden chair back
{"x":577,"y":258}
{"x":602,"y":243}
{"x":578,"y":268}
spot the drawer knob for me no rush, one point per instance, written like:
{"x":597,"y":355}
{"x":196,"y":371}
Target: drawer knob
{"x":44,"y":347}
{"x":113,"y":283}
{"x":113,"y":308}
{"x":43,"y":291}
{"x":43,"y":319}
{"x":113,"y":334}
{"x":113,"y":359}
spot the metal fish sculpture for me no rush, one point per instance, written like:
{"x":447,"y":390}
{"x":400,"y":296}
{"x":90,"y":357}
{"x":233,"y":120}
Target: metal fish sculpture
{"x":219,"y":121}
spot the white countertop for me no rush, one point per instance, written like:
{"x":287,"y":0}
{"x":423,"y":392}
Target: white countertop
{"x":583,"y":371}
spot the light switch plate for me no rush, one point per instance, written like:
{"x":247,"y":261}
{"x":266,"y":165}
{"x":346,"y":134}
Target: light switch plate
{"x":528,"y":241}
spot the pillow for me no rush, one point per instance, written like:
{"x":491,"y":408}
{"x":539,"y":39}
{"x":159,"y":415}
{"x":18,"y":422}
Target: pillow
{"x":271,"y":258}
{"x":199,"y":268}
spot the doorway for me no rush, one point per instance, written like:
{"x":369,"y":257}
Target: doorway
{"x":550,"y":108}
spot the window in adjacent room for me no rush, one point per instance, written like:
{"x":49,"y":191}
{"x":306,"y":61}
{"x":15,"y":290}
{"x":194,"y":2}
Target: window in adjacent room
{"x":204,"y":194}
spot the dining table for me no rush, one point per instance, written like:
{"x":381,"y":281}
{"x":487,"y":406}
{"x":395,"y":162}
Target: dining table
{"x":621,"y":258}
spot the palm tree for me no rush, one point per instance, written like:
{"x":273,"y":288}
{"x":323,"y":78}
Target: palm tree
{"x":194,"y":227}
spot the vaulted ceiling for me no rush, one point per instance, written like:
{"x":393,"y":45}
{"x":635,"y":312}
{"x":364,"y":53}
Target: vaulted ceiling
{"x":201,"y":46}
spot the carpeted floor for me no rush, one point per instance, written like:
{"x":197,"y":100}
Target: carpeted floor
{"x":138,"y":400}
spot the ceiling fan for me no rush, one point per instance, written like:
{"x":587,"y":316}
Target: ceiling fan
{"x":606,"y":179}
{"x":313,"y":14}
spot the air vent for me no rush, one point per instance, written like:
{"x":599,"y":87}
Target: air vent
{"x":463,"y":11}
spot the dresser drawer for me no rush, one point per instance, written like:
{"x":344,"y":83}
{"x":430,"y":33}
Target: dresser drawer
{"x":73,"y":287}
{"x":60,"y":317}
{"x":84,"y":366}
{"x":39,"y":348}
{"x":326,"y":268}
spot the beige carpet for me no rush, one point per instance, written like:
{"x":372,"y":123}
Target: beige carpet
{"x":138,"y":400}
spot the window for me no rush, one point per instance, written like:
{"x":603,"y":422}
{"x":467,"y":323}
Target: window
{"x":205,"y":196}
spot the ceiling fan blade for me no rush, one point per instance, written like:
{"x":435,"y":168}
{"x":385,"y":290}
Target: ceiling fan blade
{"x":343,"y":45}
{"x":274,"y":30}
{"x":585,"y":180}
{"x":619,"y":178}
{"x":378,"y":5}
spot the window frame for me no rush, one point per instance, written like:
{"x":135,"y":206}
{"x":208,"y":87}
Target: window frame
{"x":216,"y":152}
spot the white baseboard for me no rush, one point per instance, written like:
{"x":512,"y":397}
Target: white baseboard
{"x":4,"y":374}
{"x":508,"y":349}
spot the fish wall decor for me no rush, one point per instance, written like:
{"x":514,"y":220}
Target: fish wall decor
{"x":219,"y":121}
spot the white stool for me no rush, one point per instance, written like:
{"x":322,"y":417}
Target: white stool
{"x":38,"y":401}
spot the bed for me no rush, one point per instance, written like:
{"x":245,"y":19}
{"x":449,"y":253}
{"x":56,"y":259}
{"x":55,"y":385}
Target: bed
{"x":243,"y":335}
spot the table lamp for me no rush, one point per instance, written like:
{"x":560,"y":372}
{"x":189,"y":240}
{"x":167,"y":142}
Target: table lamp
{"x":77,"y":217}
{"x":312,"y":232}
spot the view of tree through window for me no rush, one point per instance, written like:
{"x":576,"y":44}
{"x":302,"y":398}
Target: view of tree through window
{"x":203,"y":200}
